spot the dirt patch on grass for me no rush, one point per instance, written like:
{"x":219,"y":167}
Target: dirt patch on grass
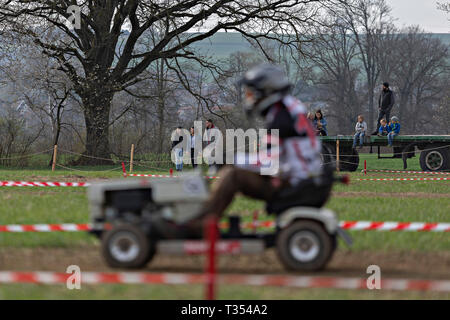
{"x":391,"y":195}
{"x":345,"y":263}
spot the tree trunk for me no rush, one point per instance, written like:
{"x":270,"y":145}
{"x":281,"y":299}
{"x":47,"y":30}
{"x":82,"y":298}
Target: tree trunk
{"x":371,"y":110}
{"x":96,"y":115}
{"x":161,"y":120}
{"x":161,"y":106}
{"x":57,"y":130}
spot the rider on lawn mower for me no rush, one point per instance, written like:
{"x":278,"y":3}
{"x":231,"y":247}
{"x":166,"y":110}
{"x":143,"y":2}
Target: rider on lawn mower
{"x":302,"y":180}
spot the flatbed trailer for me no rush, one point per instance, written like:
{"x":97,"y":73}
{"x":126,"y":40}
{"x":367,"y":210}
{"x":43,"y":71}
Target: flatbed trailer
{"x":434,"y":150}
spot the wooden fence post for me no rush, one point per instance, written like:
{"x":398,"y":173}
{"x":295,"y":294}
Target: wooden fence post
{"x":131,"y":158}
{"x":55,"y":150}
{"x":337,"y":157}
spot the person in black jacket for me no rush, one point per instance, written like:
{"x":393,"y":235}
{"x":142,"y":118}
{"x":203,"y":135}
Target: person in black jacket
{"x":193,"y":142}
{"x":385,"y":104}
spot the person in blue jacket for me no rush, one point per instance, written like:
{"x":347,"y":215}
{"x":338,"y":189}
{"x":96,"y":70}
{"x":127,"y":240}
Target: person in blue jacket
{"x":394,"y":130}
{"x":383,"y":131}
{"x":320,"y":124}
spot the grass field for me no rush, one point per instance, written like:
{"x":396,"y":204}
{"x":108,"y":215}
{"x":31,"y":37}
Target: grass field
{"x":196,"y":292}
{"x":362,"y":200}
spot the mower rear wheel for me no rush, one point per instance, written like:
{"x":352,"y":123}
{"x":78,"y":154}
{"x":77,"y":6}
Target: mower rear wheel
{"x":305,"y":246}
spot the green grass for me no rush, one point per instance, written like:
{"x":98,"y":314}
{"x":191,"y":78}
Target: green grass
{"x":25,"y":205}
{"x":196,"y":292}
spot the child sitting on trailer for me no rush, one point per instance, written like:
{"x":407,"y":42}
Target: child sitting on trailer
{"x":383,"y":131}
{"x":394,"y":130}
{"x":361,"y":130}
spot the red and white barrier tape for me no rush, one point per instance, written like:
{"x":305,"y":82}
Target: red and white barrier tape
{"x":66,"y":227}
{"x":249,"y":280}
{"x":408,"y":172}
{"x":162,"y":176}
{"x":365,"y":225}
{"x":85,"y":184}
{"x":405,"y":179}
{"x":151,"y":175}
{"x":42,"y":184}
{"x":347,"y":225}
{"x":395,"y":226}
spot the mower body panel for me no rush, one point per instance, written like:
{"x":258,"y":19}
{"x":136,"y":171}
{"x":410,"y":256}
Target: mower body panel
{"x":325,"y":216}
{"x":178,"y":199}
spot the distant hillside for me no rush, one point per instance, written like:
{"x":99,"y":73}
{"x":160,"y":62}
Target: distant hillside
{"x":222,"y":44}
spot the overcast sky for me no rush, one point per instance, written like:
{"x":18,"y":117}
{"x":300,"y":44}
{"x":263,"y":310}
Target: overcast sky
{"x":408,"y":12}
{"x":420,"y":12}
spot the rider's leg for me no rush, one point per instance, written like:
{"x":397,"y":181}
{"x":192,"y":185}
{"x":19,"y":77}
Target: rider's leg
{"x":233,"y":180}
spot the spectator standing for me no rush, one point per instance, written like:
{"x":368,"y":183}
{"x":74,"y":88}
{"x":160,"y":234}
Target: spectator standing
{"x":386,"y":102}
{"x":177,"y":147}
{"x":320,"y":123}
{"x":208,"y":137}
{"x":209,"y":129}
{"x":193,"y":152}
{"x":361,"y":130}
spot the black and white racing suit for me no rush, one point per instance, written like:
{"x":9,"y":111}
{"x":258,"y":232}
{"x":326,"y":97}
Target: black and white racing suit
{"x":300,"y":178}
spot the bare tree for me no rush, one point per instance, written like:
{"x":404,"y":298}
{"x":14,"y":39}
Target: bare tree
{"x":17,"y":137}
{"x":418,"y":67}
{"x":41,"y":87}
{"x":333,"y":59}
{"x":444,"y":6}
{"x":368,"y":21}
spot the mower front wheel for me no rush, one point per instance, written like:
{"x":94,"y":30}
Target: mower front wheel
{"x":127,"y":246}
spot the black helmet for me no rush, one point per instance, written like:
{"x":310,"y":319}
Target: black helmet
{"x":268,"y":84}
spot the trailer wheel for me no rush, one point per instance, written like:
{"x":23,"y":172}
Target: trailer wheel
{"x":305,"y":246}
{"x":350,"y":160}
{"x":435,"y":160}
{"x":127,"y":246}
{"x":328,"y":156}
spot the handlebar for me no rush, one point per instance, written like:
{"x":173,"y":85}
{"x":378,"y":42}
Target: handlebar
{"x":343,"y":179}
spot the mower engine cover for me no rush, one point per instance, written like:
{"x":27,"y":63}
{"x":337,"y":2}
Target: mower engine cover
{"x":181,"y":197}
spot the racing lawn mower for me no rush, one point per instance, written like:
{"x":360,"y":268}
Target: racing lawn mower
{"x":138,"y":213}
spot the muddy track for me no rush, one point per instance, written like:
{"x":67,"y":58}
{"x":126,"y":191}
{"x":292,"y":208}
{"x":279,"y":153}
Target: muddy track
{"x":425,"y":265}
